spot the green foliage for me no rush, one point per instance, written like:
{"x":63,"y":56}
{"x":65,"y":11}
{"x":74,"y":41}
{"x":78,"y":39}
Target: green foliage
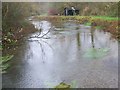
{"x":4,"y":62}
{"x":62,"y":85}
{"x":6,"y":58}
{"x":3,"y":68}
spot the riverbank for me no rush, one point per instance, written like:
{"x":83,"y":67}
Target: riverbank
{"x":108,"y":24}
{"x":11,"y":38}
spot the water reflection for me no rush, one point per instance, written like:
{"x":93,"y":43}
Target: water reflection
{"x":40,"y":62}
{"x":78,"y":38}
{"x":92,"y":37}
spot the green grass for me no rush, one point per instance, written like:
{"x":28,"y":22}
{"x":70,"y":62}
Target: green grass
{"x":104,"y":17}
{"x":79,"y":17}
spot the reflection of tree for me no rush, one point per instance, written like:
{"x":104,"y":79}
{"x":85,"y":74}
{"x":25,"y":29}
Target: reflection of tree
{"x":43,"y":51}
{"x":78,"y":38}
{"x":92,"y":37}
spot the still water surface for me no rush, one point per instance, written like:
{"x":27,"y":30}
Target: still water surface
{"x":71,"y":52}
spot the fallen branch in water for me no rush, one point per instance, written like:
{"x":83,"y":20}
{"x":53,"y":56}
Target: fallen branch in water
{"x":42,"y":35}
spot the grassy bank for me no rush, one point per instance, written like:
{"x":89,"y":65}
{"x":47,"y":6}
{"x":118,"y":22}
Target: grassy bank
{"x":105,"y":18}
{"x":79,"y":17}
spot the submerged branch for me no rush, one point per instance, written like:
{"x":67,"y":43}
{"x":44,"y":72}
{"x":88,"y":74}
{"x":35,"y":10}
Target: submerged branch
{"x":42,"y":35}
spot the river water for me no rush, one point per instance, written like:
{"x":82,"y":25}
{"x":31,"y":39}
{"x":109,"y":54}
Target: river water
{"x":70,"y":52}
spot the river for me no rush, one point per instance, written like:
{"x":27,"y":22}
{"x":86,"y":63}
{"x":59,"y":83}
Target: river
{"x":70,"y":52}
